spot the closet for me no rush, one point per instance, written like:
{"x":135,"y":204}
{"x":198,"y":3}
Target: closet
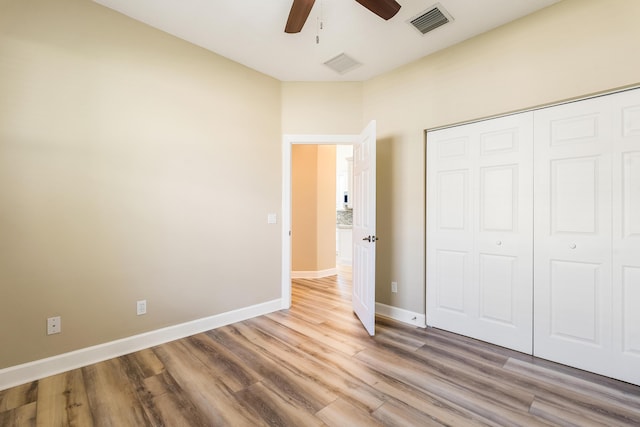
{"x":533,"y":232}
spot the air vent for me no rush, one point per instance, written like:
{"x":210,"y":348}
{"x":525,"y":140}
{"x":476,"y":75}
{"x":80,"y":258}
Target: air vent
{"x":342,"y":63}
{"x":431,"y":19}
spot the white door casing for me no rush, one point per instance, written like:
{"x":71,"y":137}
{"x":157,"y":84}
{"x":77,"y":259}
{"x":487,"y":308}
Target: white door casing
{"x":479,"y":230}
{"x":364,"y":227}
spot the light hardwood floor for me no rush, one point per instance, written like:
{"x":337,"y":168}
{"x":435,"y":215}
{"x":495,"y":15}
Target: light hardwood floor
{"x":315,"y":365}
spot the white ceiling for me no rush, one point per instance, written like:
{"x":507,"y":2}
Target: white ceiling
{"x":251,"y":32}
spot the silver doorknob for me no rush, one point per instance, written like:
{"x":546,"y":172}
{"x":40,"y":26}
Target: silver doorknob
{"x":572,"y":246}
{"x":499,"y":243}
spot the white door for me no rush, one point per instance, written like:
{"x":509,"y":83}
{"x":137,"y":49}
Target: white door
{"x":364,"y":227}
{"x":479,"y":230}
{"x":625,"y":363}
{"x":573,"y":275}
{"x":588,"y":235}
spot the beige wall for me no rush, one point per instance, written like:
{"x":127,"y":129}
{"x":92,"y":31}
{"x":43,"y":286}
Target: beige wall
{"x":313,"y":207}
{"x":132,"y":165}
{"x":571,"y":49}
{"x":304,"y":193}
{"x":326,"y":207}
{"x":321,"y":107}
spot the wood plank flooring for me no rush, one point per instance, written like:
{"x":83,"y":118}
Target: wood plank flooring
{"x":315,"y":365}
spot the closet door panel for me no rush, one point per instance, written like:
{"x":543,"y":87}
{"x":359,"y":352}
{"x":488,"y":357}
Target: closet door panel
{"x":450,"y":236}
{"x":479,"y":230}
{"x":568,"y":320}
{"x":630,"y":207}
{"x":626,"y":236}
{"x":574,"y":190}
{"x":504,"y":231}
{"x":572,"y":250}
{"x":630,"y":338}
{"x":452,"y":279}
{"x":453,"y":200}
{"x":498,"y":198}
{"x":498,"y":288}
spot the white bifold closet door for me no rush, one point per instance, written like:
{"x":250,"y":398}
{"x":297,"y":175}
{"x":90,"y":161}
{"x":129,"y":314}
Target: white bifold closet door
{"x":626,"y":237}
{"x":479,"y":230}
{"x":587,"y":235}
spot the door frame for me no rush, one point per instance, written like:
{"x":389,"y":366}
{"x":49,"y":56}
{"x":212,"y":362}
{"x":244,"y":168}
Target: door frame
{"x":287,"y":145}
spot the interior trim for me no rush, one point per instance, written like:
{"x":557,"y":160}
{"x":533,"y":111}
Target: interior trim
{"x":32,"y":371}
{"x":401,"y":315}
{"x":314,"y":274}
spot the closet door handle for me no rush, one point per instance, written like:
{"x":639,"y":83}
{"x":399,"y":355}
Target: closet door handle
{"x":572,"y":246}
{"x":499,"y":243}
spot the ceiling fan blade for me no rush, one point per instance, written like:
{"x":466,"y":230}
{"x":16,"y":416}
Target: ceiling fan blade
{"x":385,"y":9}
{"x":298,"y":15}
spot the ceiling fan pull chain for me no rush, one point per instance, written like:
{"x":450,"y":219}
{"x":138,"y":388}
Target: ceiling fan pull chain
{"x":319,"y":22}
{"x":318,"y":26}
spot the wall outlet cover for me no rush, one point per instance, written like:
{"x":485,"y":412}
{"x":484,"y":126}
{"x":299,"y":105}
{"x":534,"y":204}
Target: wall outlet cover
{"x":54,"y":325}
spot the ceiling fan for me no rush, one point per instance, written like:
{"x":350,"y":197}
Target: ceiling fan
{"x":385,"y":9}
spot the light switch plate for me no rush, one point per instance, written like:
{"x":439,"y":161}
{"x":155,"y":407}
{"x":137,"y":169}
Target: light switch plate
{"x":141,"y":307}
{"x":272,"y":218}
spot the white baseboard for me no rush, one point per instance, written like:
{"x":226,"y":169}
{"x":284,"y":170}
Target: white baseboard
{"x":25,"y":373}
{"x":314,"y":274}
{"x":405,"y":316}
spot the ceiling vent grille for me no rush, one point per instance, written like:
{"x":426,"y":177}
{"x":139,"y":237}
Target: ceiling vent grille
{"x":342,"y":63}
{"x":431,"y":19}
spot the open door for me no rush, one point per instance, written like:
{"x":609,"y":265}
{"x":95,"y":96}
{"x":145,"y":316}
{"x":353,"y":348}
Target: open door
{"x":364,"y":227}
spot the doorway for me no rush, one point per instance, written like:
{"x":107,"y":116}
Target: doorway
{"x":364,"y":217}
{"x":288,"y":142}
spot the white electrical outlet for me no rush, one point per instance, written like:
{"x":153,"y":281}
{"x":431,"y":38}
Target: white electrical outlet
{"x":394,"y":287}
{"x":54,"y":325}
{"x":141,"y":307}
